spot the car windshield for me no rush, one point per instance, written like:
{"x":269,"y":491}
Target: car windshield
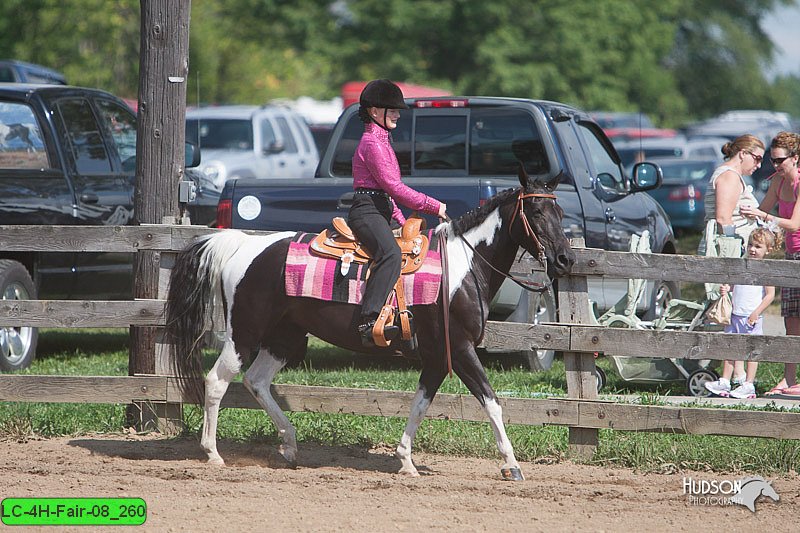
{"x":224,"y":134}
{"x":686,"y":172}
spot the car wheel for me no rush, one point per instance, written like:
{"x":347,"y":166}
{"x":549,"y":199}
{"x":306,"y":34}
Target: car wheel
{"x":536,"y":308}
{"x":17,"y":344}
{"x":663,"y":292}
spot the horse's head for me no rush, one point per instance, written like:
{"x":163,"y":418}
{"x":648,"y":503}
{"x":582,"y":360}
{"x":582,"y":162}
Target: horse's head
{"x":536,"y":225}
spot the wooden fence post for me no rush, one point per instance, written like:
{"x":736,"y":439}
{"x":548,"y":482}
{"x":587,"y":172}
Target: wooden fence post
{"x":574,"y":308}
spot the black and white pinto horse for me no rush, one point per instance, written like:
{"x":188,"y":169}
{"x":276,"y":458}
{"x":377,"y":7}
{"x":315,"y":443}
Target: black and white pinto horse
{"x":266,"y":329}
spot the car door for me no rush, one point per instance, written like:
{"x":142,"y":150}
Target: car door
{"x":286,"y":163}
{"x":99,"y":134}
{"x":33,"y":188}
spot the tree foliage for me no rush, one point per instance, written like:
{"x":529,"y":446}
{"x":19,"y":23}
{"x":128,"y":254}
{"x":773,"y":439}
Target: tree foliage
{"x":674,"y":59}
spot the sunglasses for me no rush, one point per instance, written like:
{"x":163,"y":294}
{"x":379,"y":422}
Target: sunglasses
{"x":777,"y":161}
{"x":757,"y":158}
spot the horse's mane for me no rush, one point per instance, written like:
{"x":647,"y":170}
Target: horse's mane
{"x":470,"y":219}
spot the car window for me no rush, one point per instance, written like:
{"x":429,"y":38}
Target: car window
{"x":500,"y":139}
{"x":684,"y":172}
{"x":122,"y":125}
{"x":267,"y":134}
{"x":607,"y":172}
{"x":223,"y":134}
{"x":440,"y":143}
{"x":300,"y":127}
{"x":290,"y":146}
{"x":7,"y":75}
{"x":21,"y":144}
{"x":84,"y":138}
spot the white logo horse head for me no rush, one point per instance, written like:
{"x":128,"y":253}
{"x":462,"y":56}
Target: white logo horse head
{"x":752,"y":488}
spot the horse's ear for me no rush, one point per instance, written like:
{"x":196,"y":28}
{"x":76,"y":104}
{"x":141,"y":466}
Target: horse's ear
{"x":553,"y":183}
{"x":523,"y":176}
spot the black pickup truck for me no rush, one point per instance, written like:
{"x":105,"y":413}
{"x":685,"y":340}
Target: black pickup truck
{"x":67,"y":157}
{"x":462,"y":150}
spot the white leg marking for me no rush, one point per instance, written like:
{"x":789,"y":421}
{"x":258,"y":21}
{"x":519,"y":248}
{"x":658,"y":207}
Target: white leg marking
{"x":217,"y":381}
{"x":495,"y":413}
{"x":257,"y":379}
{"x":418,"y":409}
{"x":459,"y":255}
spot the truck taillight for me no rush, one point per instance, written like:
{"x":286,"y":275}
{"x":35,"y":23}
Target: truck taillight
{"x":224,"y":214}
{"x":441,"y":103}
{"x":689,"y":192}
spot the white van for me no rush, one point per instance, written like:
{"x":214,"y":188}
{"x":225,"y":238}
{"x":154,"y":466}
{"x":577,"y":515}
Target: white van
{"x":251,"y":142}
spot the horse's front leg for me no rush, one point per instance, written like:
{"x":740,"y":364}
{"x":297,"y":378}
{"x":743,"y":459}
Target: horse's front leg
{"x":468,"y":367}
{"x":429,"y":382}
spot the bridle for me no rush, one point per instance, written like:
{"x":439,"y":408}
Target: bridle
{"x":526,"y":284}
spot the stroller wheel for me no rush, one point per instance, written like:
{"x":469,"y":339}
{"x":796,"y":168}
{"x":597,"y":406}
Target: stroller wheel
{"x":600,"y":376}
{"x":696,"y":382}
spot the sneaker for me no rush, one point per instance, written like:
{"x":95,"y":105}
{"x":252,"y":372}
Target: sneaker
{"x":738,"y":380}
{"x":745,"y":391}
{"x":721,"y":387}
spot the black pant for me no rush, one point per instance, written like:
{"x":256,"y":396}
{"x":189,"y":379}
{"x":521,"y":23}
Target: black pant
{"x":369,"y":219}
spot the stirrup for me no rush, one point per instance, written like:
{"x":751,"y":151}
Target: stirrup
{"x":366,"y":332}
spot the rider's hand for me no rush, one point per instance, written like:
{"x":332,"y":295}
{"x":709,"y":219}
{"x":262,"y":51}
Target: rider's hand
{"x":442,"y":210}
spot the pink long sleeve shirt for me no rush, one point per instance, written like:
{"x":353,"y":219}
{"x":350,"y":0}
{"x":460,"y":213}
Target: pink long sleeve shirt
{"x":375,"y":167}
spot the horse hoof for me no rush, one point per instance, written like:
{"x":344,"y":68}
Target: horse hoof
{"x":512,"y":474}
{"x":216,"y":461}
{"x":408,"y":472}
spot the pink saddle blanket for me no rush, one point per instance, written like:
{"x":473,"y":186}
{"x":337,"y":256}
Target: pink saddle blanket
{"x":317,"y":277}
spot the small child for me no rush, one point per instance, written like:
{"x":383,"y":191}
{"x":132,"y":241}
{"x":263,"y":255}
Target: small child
{"x":749,"y":301}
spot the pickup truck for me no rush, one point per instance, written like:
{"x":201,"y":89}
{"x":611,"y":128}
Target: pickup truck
{"x":462,"y":150}
{"x":67,"y":157}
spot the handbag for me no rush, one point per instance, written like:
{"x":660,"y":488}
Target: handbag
{"x":719,"y":311}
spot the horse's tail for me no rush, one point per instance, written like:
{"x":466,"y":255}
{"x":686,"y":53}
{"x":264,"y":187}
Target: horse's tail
{"x":192,"y":284}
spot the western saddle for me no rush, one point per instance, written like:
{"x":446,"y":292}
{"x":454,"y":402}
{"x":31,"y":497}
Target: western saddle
{"x":339,"y":242}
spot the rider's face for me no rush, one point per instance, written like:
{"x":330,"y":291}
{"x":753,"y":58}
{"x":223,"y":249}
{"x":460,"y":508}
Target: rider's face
{"x":385,"y":117}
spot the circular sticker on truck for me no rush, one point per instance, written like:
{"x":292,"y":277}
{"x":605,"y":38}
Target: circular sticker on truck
{"x":249,"y":207}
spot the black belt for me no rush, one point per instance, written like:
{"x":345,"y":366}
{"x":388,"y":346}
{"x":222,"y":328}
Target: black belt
{"x":373,"y":192}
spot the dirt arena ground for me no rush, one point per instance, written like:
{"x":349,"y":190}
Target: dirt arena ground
{"x":354,"y":489}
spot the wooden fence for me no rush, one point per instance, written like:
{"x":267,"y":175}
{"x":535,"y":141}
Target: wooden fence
{"x":574,"y":335}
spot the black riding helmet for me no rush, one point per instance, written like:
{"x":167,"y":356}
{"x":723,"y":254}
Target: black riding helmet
{"x":380,"y":93}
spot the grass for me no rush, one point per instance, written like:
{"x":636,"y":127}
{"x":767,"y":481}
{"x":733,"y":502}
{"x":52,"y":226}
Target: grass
{"x":105,"y":352}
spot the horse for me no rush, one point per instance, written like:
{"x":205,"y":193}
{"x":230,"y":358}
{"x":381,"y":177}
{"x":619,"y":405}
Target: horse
{"x":752,"y":488}
{"x":266,"y":329}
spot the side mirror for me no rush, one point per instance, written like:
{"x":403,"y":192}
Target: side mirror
{"x":646,"y":177}
{"x":275,"y":147}
{"x":191,"y":155}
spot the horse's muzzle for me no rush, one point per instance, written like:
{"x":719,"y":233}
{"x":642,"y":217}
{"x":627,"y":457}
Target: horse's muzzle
{"x":562,"y":264}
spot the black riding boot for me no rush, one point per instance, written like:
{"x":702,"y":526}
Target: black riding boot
{"x":390,"y":332}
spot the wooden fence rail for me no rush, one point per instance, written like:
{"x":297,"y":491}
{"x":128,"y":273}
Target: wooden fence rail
{"x":574,"y":336}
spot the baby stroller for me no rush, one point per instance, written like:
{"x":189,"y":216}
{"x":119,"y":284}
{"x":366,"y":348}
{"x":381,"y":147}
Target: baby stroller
{"x":679,"y":315}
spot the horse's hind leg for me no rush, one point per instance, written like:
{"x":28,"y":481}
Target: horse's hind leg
{"x":219,"y":377}
{"x":429,"y":382}
{"x":257,"y":379}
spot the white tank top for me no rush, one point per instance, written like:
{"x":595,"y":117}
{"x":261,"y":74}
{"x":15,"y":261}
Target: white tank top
{"x":746,"y":299}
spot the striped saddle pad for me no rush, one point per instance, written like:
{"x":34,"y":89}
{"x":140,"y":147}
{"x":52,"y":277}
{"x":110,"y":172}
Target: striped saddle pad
{"x":317,"y":277}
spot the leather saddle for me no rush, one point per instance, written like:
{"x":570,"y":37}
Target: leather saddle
{"x":339,"y":242}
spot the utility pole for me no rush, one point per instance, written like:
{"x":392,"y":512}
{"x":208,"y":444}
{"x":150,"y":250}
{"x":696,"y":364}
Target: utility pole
{"x":163,"y":69}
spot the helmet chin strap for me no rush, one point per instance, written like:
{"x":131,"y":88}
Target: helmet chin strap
{"x":385,"y":112}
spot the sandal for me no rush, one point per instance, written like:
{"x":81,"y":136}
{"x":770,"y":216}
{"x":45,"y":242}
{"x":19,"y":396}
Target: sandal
{"x":793,"y":391}
{"x":774,"y":390}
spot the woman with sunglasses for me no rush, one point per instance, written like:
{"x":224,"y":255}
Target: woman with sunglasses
{"x":727,"y":191}
{"x":783,"y":190}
